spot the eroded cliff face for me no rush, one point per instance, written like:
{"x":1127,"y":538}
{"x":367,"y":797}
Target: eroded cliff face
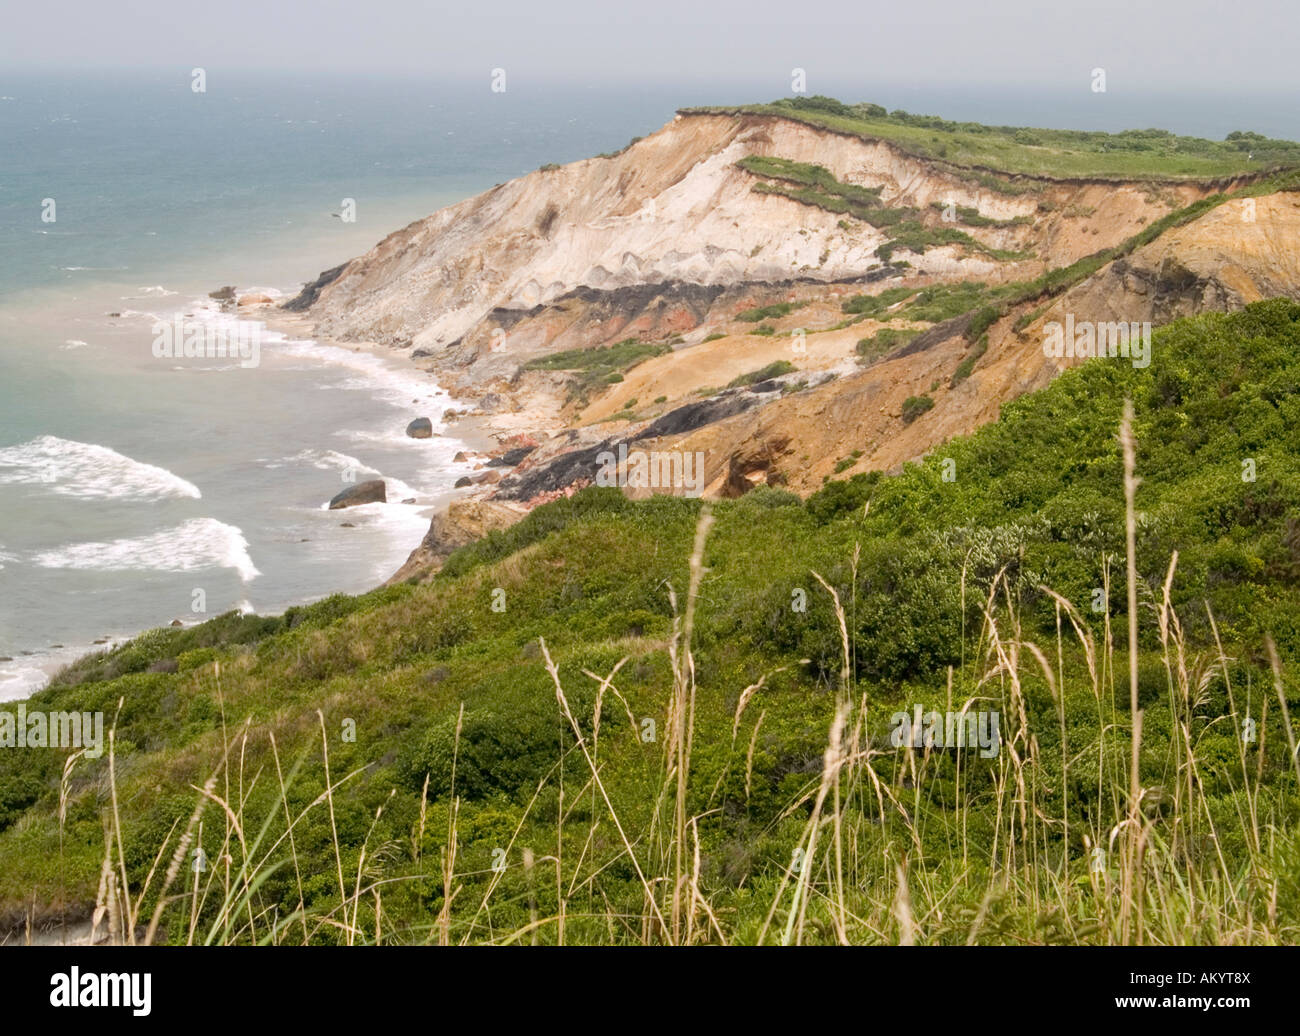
{"x":1238,"y":253}
{"x":670,"y":243}
{"x":1235,"y":254}
{"x":585,"y":242}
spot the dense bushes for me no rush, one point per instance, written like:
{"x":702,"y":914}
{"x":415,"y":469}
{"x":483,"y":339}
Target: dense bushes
{"x":1034,"y":498}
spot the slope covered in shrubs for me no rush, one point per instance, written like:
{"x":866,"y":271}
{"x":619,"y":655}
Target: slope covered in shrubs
{"x":735,"y":780}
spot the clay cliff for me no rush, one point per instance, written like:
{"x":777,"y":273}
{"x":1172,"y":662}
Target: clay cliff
{"x":789,"y":303}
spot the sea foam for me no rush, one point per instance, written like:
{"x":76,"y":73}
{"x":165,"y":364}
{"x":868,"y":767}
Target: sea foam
{"x":199,"y":543}
{"x":88,"y":471}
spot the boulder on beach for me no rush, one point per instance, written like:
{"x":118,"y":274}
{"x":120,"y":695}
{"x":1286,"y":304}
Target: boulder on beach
{"x":372,"y":491}
{"x":462,"y":482}
{"x":487,"y":478}
{"x":254,"y":300}
{"x":420,"y":428}
{"x":460,"y":458}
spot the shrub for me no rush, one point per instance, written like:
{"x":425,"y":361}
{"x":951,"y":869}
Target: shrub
{"x":772,"y":370}
{"x":882,"y":343}
{"x":915,"y":406}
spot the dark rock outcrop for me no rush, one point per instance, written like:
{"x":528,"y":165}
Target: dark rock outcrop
{"x":226,"y":296}
{"x":372,"y":491}
{"x":311,"y":292}
{"x":575,"y":467}
{"x":696,"y":415}
{"x":511,"y":458}
{"x":579,"y":466}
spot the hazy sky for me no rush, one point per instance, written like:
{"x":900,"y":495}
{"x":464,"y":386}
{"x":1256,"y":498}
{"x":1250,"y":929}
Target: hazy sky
{"x":1193,"y":46}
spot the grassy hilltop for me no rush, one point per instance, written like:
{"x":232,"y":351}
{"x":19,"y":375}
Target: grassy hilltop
{"x":625,"y":722}
{"x":1028,"y":151}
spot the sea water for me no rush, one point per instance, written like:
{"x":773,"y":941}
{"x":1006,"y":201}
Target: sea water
{"x":136,"y":490}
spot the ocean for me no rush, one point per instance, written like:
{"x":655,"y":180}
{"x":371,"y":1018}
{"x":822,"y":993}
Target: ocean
{"x":137,"y":490}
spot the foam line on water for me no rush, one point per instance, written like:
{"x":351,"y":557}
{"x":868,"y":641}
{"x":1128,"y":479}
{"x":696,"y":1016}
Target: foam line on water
{"x":197,"y":544}
{"x":88,"y":471}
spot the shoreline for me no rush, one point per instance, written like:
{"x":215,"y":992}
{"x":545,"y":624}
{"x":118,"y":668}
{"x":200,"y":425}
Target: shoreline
{"x":28,"y":672}
{"x":480,"y":432}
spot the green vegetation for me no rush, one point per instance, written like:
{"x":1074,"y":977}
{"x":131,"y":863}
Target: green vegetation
{"x":968,"y":362}
{"x":551,"y":772}
{"x":934,"y":304}
{"x":915,"y":406}
{"x":771,"y":312}
{"x":881,"y":344}
{"x":844,"y":464}
{"x":600,"y":366}
{"x":945,"y":301}
{"x":1022,"y":151}
{"x":983,"y":319}
{"x":816,"y":186}
{"x":815,"y":177}
{"x":874,"y":305}
{"x":916,"y":238}
{"x":813,"y":185}
{"x":972,"y":218}
{"x":615,"y":154}
{"x":773,"y":370}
